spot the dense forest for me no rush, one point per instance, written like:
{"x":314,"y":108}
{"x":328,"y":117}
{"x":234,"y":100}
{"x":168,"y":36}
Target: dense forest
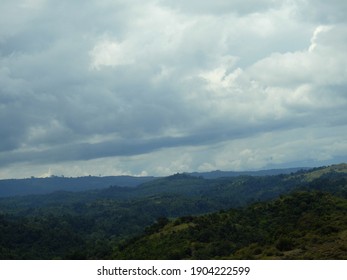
{"x":301,"y":215}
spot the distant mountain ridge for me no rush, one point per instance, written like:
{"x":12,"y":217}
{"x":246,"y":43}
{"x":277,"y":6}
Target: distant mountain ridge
{"x":12,"y":187}
{"x":29,"y":186}
{"x":266,"y":172}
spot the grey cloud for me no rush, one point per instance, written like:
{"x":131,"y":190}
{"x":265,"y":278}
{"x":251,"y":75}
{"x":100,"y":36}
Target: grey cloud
{"x":222,"y":6}
{"x":135,"y":146}
{"x":87,"y":80}
{"x":323,"y":12}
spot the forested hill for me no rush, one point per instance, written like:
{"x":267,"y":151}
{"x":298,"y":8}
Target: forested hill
{"x":91,"y":224}
{"x":302,"y":225}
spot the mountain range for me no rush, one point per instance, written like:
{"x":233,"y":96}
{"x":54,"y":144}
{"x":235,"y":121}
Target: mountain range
{"x":269,"y":216}
{"x":33,"y":185}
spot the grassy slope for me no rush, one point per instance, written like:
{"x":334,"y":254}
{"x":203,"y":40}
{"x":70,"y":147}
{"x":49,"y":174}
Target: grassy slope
{"x":319,"y":172}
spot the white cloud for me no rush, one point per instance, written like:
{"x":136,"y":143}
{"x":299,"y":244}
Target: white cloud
{"x":318,"y":30}
{"x":322,"y":63}
{"x":111,"y":53}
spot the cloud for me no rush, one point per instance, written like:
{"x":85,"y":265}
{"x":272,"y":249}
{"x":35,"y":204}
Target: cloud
{"x":322,"y":63}
{"x":221,"y":7}
{"x":312,"y":81}
{"x":332,"y":12}
{"x":164,"y":85}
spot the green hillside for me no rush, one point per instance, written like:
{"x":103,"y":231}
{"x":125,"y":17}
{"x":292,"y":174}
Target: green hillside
{"x":303,"y":225}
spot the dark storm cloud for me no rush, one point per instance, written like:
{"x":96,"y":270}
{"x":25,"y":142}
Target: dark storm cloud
{"x":59,"y":151}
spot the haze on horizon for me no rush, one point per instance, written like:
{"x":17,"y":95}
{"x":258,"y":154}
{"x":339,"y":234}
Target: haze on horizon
{"x":158,"y":87}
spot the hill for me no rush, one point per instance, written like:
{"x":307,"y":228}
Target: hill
{"x":326,"y":170}
{"x":303,"y":225}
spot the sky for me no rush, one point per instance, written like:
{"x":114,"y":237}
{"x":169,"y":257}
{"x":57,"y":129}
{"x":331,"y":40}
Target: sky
{"x":110,"y":87}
